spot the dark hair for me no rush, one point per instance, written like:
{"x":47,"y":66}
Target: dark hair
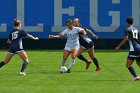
{"x":16,"y":22}
{"x":69,"y":21}
{"x":130,"y":20}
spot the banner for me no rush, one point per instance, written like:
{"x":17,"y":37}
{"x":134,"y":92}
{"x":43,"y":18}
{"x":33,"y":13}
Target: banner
{"x":106,"y":18}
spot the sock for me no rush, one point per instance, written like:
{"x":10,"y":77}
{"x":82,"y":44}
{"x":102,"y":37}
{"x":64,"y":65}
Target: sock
{"x":63,"y":62}
{"x":71,"y":64}
{"x":81,"y":57}
{"x":95,"y":62}
{"x":24,"y":65}
{"x":132,"y":71}
{"x":1,"y":64}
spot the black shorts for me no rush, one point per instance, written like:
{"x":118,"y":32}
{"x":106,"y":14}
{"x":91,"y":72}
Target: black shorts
{"x":88,"y":46}
{"x":134,"y":55}
{"x":15,"y":50}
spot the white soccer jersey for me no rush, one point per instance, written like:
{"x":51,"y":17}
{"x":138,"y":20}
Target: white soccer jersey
{"x":72,"y":36}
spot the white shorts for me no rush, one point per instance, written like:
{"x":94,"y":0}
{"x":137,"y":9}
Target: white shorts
{"x":71,"y":48}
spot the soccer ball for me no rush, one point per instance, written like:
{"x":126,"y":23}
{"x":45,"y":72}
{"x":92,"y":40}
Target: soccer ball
{"x":63,"y":69}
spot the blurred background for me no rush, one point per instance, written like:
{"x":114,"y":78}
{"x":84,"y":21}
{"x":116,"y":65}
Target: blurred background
{"x":106,"y":18}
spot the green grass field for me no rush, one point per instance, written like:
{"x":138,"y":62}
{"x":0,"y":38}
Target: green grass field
{"x":43,"y":76}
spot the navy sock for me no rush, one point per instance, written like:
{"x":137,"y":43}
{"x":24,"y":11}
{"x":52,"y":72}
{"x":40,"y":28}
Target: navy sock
{"x":81,"y":57}
{"x":1,"y":64}
{"x":24,"y":65}
{"x":95,"y":62}
{"x":132,"y":71}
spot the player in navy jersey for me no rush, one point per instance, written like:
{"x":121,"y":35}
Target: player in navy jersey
{"x":132,"y":35}
{"x":86,"y":44}
{"x":15,"y":46}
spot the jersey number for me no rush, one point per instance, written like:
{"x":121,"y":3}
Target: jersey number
{"x":135,"y":34}
{"x":14,"y":35}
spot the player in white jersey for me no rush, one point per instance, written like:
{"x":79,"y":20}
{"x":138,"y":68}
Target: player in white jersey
{"x":72,"y":45}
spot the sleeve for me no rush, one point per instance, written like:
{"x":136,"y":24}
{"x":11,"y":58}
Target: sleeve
{"x":64,"y":32}
{"x":10,"y":36}
{"x":24,"y":33}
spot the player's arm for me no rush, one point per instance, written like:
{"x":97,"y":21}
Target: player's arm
{"x":8,"y":41}
{"x":122,"y":43}
{"x":32,"y":37}
{"x":90,"y":32}
{"x":10,"y":38}
{"x":61,"y":34}
{"x":25,"y":34}
{"x":55,"y":36}
{"x":83,"y":32}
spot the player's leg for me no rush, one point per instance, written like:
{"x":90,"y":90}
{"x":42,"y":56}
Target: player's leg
{"x":74,"y":53}
{"x":80,"y":56}
{"x":91,"y":54}
{"x":65,"y":56}
{"x":25,"y":59}
{"x":138,"y":60}
{"x":6,"y":60}
{"x":130,"y":68}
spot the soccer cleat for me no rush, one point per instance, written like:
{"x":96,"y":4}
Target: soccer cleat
{"x":22,"y":73}
{"x":88,"y":64}
{"x":68,"y":71}
{"x":136,"y":78}
{"x":98,"y":69}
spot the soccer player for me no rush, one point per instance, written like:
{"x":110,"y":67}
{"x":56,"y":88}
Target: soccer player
{"x":132,"y":35}
{"x":15,"y":41}
{"x":86,"y":44}
{"x":72,"y":45}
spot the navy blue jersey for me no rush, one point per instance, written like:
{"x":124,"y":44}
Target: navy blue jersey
{"x":16,"y":38}
{"x":133,"y":37}
{"x":84,"y":40}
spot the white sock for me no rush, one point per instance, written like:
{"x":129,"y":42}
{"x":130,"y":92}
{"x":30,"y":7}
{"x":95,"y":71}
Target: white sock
{"x":71,"y":64}
{"x":63,"y":62}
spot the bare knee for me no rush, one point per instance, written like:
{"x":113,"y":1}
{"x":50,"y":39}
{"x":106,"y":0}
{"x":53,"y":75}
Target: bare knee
{"x":74,"y":57}
{"x":5,"y":62}
{"x":78,"y":55}
{"x":127,"y":65}
{"x":64,"y":58}
{"x":27,"y":60}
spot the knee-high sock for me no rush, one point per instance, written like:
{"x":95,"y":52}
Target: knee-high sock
{"x":132,"y":71}
{"x":63,"y":62}
{"x":24,"y":66}
{"x":95,"y":62}
{"x":71,"y":63}
{"x":81,"y":57}
{"x":1,"y":64}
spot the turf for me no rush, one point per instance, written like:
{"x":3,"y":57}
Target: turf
{"x":43,"y":76}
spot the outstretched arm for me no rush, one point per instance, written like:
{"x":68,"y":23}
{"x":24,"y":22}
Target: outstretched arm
{"x":32,"y":37}
{"x":90,"y":32}
{"x":122,"y":43}
{"x":55,"y":36}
